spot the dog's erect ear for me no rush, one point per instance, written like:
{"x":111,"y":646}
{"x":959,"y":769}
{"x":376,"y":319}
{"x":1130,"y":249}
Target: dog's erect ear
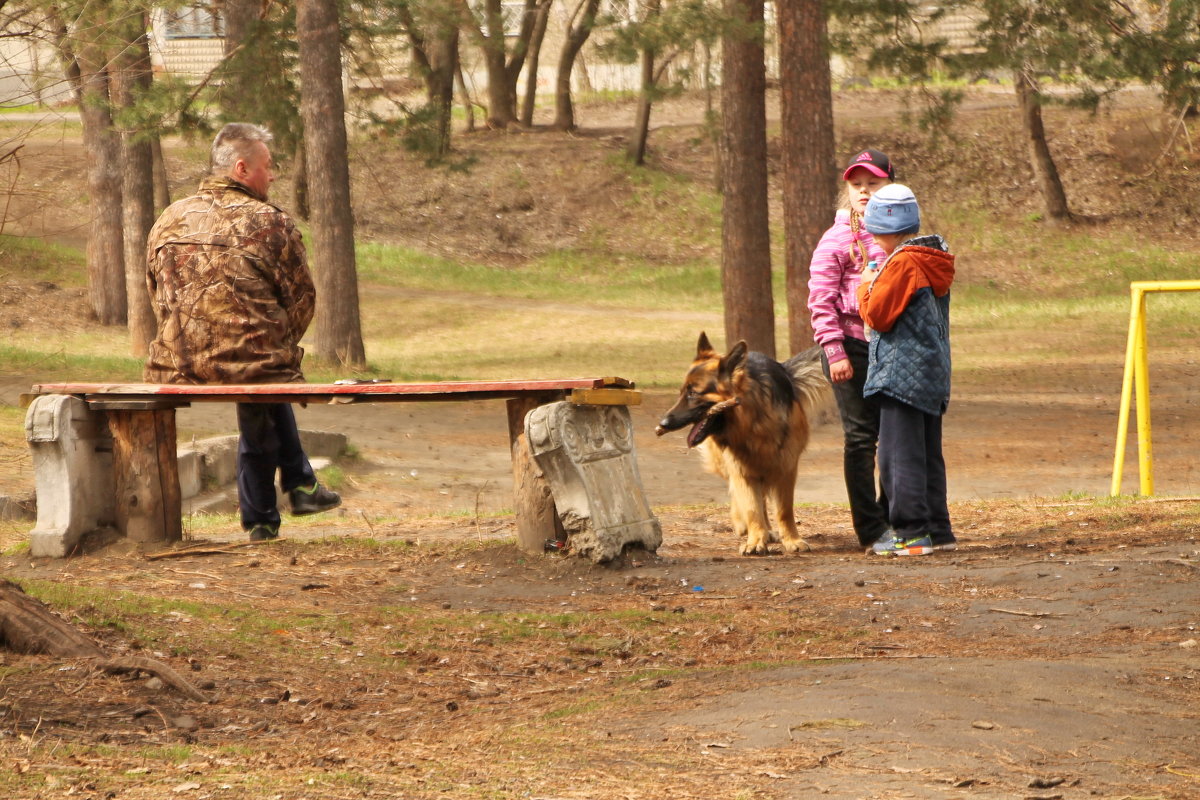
{"x":733,"y":359}
{"x":704,"y":348}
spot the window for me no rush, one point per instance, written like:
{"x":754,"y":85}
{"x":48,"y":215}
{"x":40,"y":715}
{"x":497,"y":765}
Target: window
{"x":513,"y":12}
{"x":193,"y":22}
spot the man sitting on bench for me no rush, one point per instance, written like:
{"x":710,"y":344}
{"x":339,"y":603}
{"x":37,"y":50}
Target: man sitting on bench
{"x":232,"y":294}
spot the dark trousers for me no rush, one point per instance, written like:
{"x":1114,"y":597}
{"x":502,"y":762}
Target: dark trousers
{"x":269,"y":440}
{"x":912,"y":470}
{"x":860,"y":427}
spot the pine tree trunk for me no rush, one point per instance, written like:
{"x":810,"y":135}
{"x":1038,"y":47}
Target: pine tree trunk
{"x":1045,"y":172}
{"x":238,"y":93}
{"x":532,"y":61}
{"x":162,"y":187}
{"x":501,"y":112}
{"x":577,"y":36}
{"x":641,"y":123}
{"x":745,"y":238}
{"x":516,"y":59}
{"x":443,"y":64}
{"x":465,"y":96}
{"x":300,"y":204}
{"x":806,"y":139}
{"x":105,"y":246}
{"x":134,"y":73}
{"x":237,"y":16}
{"x":339,"y":330}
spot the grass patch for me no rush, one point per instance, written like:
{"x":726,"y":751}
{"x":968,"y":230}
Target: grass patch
{"x":51,"y":361}
{"x":29,"y":259}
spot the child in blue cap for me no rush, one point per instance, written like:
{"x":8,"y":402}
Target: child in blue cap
{"x":906,"y":303}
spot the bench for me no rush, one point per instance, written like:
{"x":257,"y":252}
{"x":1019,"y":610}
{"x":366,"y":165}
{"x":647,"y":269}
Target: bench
{"x":106,"y":454}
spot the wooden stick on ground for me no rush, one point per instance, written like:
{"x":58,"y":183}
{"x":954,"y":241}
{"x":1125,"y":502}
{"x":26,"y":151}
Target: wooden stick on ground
{"x":201,"y":550}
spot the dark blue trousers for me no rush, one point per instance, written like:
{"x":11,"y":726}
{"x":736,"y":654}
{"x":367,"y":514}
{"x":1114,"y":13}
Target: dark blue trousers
{"x":269,"y":441}
{"x":860,"y":428}
{"x":912,"y":470}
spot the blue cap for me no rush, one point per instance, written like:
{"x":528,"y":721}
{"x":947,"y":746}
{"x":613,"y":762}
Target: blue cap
{"x":892,"y":209}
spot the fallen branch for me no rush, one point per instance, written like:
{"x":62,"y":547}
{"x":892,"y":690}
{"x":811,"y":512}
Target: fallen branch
{"x":1025,"y":613}
{"x":201,"y":550}
{"x":123,"y":666}
{"x":28,"y":626}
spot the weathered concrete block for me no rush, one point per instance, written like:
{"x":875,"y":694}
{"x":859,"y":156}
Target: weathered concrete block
{"x":72,"y":465}
{"x":191,"y":482}
{"x":218,"y":459}
{"x":588,"y":458}
{"x":323,"y":444}
{"x":23,"y":506}
{"x":218,"y":455}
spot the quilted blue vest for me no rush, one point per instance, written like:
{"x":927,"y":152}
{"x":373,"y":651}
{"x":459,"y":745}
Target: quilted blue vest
{"x":911,"y":362}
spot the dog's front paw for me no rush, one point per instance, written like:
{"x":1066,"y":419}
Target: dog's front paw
{"x":796,"y":545}
{"x":752,"y":547}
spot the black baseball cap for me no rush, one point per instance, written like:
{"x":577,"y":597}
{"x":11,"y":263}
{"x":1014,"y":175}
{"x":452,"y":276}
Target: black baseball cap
{"x":873,"y":161}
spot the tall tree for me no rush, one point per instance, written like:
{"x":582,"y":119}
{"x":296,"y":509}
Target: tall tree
{"x":1073,"y":42}
{"x":647,"y":85}
{"x":133,"y":80}
{"x":1045,"y":171}
{"x":487,"y":27}
{"x":323,"y":106}
{"x":806,"y":138}
{"x":745,"y":237}
{"x":89,"y":44}
{"x":435,"y":40}
{"x":579,"y":29}
{"x":532,"y":59}
{"x":655,"y":39}
{"x":256,"y":81}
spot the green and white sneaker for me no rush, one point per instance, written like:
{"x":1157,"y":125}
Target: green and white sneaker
{"x":890,"y":545}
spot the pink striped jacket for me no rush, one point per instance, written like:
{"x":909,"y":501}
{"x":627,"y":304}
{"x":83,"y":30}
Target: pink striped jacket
{"x":834,"y":275}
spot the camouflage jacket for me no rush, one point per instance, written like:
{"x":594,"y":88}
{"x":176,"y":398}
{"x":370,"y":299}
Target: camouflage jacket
{"x":230,"y":287}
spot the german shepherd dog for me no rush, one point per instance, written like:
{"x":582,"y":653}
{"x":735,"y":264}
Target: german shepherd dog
{"x":750,"y":415}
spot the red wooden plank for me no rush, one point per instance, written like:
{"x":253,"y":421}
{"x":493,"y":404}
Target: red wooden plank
{"x":510,"y":388}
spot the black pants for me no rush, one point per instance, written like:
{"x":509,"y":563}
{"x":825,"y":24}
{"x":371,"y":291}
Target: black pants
{"x":912,"y":470}
{"x":269,"y":440}
{"x":860,"y":427}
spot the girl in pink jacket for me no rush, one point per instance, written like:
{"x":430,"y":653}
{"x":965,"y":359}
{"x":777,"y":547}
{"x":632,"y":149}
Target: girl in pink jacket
{"x":837,"y":266}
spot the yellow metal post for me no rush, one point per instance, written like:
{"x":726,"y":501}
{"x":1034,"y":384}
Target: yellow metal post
{"x":1136,"y":381}
{"x":1141,"y":388}
{"x":1126,"y":396}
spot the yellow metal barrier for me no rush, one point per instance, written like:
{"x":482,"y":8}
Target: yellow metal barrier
{"x":1137,"y":381}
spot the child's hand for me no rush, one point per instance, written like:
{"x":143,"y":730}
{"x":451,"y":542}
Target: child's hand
{"x":841,"y":371}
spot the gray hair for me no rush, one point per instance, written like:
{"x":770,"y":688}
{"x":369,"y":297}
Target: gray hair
{"x":233,"y":142}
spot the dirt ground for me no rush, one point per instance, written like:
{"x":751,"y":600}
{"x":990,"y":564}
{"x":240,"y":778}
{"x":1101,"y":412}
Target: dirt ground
{"x":402,"y":647}
{"x":1053,"y":656}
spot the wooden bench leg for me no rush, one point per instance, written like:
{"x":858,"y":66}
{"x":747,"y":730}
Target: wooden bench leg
{"x":537,"y":519}
{"x":146,"y":475}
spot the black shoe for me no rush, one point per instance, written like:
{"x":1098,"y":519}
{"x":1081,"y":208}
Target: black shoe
{"x":314,"y":500}
{"x":263,"y":533}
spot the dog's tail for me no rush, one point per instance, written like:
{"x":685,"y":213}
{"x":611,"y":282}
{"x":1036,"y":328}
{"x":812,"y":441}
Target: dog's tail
{"x":812,"y":387}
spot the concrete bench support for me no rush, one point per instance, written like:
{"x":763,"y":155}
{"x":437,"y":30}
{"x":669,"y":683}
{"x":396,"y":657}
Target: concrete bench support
{"x":587,"y":455}
{"x":72,"y":464}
